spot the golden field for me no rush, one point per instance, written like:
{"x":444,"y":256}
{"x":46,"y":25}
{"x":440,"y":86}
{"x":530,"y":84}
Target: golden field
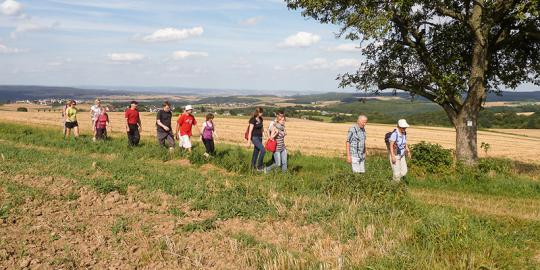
{"x":317,"y":138}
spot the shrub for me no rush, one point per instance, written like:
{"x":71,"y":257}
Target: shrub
{"x":431,"y":157}
{"x":495,"y":165}
{"x":22,"y":109}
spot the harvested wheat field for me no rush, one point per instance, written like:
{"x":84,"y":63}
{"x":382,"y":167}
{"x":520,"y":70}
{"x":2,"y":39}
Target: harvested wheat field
{"x":316,"y":138}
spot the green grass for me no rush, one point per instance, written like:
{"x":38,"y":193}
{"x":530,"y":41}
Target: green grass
{"x":317,"y":191}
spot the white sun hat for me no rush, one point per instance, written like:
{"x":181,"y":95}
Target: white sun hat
{"x":402,"y":123}
{"x":188,"y":107}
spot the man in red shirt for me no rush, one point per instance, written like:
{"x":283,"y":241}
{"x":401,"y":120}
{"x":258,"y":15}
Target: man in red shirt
{"x":185,"y":123}
{"x":133,"y":124}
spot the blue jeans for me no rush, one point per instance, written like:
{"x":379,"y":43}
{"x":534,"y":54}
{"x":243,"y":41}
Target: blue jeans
{"x":258,"y":153}
{"x":280,"y":160}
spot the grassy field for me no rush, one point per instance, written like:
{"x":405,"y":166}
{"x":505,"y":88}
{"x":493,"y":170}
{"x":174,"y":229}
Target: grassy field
{"x":78,"y":204}
{"x":316,"y":138}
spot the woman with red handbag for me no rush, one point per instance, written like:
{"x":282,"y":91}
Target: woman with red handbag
{"x":255,"y":136}
{"x":277,"y":140}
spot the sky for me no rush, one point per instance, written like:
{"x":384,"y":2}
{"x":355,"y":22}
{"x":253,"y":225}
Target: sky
{"x":219,"y":44}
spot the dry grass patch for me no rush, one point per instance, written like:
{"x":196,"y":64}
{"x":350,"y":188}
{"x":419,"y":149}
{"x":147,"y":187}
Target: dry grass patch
{"x":503,"y":207}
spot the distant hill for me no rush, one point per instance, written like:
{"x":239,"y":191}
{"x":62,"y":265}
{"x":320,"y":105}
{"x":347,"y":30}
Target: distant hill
{"x":21,"y":92}
{"x":12,"y":92}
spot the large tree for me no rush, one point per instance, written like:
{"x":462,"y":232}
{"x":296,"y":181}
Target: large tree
{"x":451,"y":52}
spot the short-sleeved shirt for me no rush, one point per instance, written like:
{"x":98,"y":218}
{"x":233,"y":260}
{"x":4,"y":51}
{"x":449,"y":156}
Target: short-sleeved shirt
{"x":258,"y":126}
{"x":95,"y":112}
{"x":186,"y":122}
{"x":71,"y":114}
{"x":132,"y":116}
{"x":356,"y":137}
{"x":165,"y":119}
{"x":401,"y":142}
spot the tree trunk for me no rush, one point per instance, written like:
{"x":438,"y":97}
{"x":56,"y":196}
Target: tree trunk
{"x":466,"y":137}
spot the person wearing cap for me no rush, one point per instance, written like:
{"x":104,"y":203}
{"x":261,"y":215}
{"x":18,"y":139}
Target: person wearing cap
{"x":133,"y":124}
{"x":185,"y":124}
{"x":398,"y":150}
{"x":164,"y":128}
{"x":356,"y":145}
{"x":95,"y":112}
{"x":71,"y":120}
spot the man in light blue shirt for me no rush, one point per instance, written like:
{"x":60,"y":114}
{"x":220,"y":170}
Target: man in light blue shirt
{"x":398,"y":150}
{"x":356,"y":145}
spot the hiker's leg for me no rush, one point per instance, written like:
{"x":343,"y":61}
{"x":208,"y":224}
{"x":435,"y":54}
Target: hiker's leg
{"x":277,"y":162}
{"x":284,"y":158}
{"x":404,"y":168}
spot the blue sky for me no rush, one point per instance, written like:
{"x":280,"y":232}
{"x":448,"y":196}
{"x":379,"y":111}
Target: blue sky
{"x":224,"y":44}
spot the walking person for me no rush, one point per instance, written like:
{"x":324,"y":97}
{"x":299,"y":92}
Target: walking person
{"x":133,"y":124}
{"x":102,"y":123}
{"x":278,"y":114}
{"x":255,"y":136}
{"x":208,"y":134}
{"x":163,"y":124}
{"x":185,"y":124}
{"x":356,"y":145}
{"x":398,"y":150}
{"x":95,"y":112}
{"x":71,"y":120}
{"x":278,"y":133}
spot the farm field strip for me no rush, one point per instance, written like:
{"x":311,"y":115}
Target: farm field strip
{"x":315,"y":138}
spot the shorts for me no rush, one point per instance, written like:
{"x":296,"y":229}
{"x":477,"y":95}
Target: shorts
{"x":185,"y":142}
{"x":358,"y":166}
{"x":71,"y":125}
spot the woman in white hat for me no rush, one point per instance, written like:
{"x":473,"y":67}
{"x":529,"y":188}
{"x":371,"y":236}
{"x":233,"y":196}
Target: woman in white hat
{"x":185,"y":123}
{"x":398,"y":150}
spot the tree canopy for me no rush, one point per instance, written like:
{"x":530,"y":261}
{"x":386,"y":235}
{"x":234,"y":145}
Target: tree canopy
{"x":450,"y":52}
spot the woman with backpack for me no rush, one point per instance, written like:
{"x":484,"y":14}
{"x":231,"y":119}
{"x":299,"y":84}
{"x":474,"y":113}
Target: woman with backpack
{"x":208,"y":134}
{"x":398,"y":149}
{"x":278,"y":134}
{"x":255,"y":135}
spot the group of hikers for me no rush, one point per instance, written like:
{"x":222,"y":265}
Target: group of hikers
{"x":255,"y":134}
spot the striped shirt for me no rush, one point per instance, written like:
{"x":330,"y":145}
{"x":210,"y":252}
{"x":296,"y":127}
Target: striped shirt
{"x":280,"y":137}
{"x":357,"y":141}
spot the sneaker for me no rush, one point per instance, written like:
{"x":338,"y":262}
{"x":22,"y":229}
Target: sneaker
{"x":171,"y":149}
{"x":94,"y":139}
{"x":206,"y":155}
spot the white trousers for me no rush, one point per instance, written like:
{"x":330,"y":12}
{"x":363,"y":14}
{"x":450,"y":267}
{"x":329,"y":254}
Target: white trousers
{"x":399,"y":169}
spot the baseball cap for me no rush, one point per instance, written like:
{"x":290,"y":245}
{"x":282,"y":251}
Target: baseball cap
{"x":188,"y":107}
{"x":402,"y":123}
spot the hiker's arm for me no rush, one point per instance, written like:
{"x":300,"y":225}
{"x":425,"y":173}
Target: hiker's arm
{"x":162,"y":125}
{"x":392,"y":153}
{"x":250,"y":131}
{"x":347,"y":149}
{"x":408,"y":150}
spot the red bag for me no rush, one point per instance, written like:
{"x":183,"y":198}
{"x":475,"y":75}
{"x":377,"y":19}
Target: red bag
{"x":271,"y":145}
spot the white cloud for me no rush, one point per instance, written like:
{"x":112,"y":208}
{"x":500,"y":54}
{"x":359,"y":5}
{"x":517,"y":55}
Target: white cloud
{"x":345,"y":48}
{"x":10,"y":8}
{"x":180,"y":55}
{"x":7,"y":50}
{"x":30,"y":26}
{"x":347,"y":62}
{"x":323,"y":63}
{"x":314,"y":64}
{"x":251,"y":21}
{"x":300,"y":39}
{"x":126,"y":57}
{"x":173,"y":34}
